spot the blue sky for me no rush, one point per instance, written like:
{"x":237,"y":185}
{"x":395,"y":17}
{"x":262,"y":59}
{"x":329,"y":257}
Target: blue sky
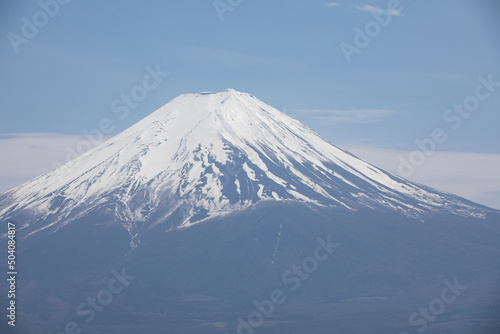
{"x":63,"y":80}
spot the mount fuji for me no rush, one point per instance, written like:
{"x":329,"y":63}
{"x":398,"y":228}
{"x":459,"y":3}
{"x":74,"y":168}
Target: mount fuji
{"x":212,"y":154}
{"x":210,"y":199}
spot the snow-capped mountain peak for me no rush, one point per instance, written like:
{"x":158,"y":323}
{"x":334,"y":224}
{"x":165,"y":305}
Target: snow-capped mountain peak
{"x":207,"y":154}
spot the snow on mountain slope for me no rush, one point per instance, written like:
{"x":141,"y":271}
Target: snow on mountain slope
{"x":212,"y":153}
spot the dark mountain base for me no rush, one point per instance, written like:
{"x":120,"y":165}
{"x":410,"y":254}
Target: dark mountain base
{"x":367,"y":273}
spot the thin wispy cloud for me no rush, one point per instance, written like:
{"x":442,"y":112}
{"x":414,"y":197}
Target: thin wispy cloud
{"x":345,"y":116}
{"x":378,"y":10}
{"x":471,"y":175}
{"x":28,"y":155}
{"x":332,"y":4}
